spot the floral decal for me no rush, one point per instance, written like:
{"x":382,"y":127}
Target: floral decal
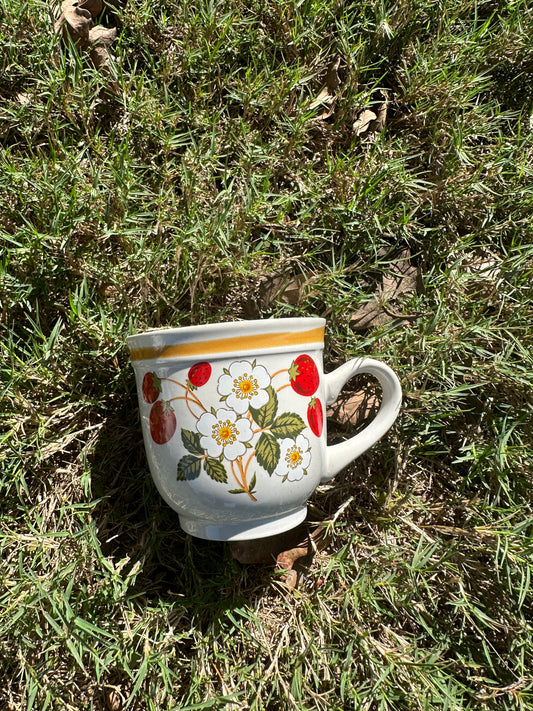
{"x":295,"y":458}
{"x":244,"y":385}
{"x":224,"y":434}
{"x":248,"y":432}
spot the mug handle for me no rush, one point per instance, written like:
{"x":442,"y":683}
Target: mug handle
{"x":340,"y":455}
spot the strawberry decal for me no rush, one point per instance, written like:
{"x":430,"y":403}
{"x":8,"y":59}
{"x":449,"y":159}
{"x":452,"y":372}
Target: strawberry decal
{"x":151,"y":387}
{"x":162,"y":421}
{"x":199,"y":374}
{"x":304,"y":375}
{"x":315,"y":416}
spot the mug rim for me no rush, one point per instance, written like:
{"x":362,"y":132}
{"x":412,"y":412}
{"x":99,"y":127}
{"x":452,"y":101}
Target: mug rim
{"x":225,"y":337}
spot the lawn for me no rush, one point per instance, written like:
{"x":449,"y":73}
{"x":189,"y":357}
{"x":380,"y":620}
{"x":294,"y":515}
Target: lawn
{"x":370,"y":163}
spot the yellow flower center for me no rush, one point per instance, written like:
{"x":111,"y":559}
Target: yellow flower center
{"x":245,"y":387}
{"x":294,"y":457}
{"x":224,"y":433}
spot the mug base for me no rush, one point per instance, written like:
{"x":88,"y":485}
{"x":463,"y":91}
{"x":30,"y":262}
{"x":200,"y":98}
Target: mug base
{"x":246,"y":531}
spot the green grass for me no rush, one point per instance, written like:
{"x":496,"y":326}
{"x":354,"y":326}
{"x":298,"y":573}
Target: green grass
{"x":166,"y":202}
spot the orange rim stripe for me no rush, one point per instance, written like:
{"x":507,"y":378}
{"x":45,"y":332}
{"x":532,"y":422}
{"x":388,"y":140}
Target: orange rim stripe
{"x":228,"y":345}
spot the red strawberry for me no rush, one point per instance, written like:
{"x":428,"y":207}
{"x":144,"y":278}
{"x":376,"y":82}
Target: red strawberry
{"x":199,"y":374}
{"x":304,"y":375}
{"x":315,"y":416}
{"x":151,"y":387}
{"x":162,"y":421}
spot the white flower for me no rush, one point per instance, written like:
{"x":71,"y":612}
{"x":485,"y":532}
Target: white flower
{"x":295,"y":458}
{"x":244,"y":385}
{"x":223,"y":433}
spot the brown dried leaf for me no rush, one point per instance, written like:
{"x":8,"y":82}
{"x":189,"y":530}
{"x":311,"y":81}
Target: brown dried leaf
{"x":354,"y":409}
{"x":93,"y":6}
{"x":266,"y":550}
{"x":102,"y":36}
{"x":313,"y":542}
{"x":327,"y":95}
{"x":286,"y":289}
{"x":402,"y":278}
{"x":285,"y":549}
{"x":369,"y":315}
{"x":363,"y":122}
{"x":75,"y":22}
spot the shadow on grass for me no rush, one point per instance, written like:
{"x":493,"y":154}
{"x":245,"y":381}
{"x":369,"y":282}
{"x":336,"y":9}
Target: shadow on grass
{"x":135,"y":525}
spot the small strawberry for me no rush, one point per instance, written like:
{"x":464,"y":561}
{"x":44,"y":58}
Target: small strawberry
{"x":151,"y":387}
{"x":199,"y":374}
{"x":304,"y":375}
{"x":162,"y":421}
{"x":315,"y":416}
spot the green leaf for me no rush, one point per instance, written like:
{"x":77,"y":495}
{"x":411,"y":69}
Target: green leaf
{"x":252,"y":484}
{"x":191,"y":442}
{"x":289,"y":424}
{"x":265,"y":415}
{"x":189,"y":467}
{"x":267,"y":452}
{"x":236,"y":491}
{"x":216,"y":470}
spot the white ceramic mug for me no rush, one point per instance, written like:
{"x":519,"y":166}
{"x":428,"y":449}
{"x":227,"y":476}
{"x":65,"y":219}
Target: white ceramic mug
{"x":233,"y":419}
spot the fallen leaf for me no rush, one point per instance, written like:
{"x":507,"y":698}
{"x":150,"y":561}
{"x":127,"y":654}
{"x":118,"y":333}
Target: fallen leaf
{"x":266,"y":550}
{"x":369,"y":315}
{"x":363,"y":121}
{"x":354,"y":409}
{"x":285,"y":550}
{"x":327,"y":95}
{"x":93,"y":6}
{"x":103,"y":35}
{"x":101,"y":38}
{"x":74,"y":22}
{"x":369,"y":122}
{"x":306,"y":548}
{"x":402,"y":278}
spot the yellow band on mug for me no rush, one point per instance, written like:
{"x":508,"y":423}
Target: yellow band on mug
{"x":228,"y":345}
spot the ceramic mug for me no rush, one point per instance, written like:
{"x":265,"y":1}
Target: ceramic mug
{"x":233,"y":420}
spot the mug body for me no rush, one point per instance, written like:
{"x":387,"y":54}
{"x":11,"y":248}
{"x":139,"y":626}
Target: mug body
{"x":233,"y":420}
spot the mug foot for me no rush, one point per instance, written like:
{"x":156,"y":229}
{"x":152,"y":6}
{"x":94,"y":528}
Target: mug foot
{"x":245,"y":531}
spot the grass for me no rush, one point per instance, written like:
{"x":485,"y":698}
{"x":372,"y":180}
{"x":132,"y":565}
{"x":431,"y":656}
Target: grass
{"x":167,"y":201}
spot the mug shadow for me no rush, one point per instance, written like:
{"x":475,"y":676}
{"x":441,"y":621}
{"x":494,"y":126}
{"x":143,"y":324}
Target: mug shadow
{"x":137,"y":531}
{"x":141,"y":535}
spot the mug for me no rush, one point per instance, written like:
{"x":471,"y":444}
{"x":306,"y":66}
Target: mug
{"x":233,"y":421}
